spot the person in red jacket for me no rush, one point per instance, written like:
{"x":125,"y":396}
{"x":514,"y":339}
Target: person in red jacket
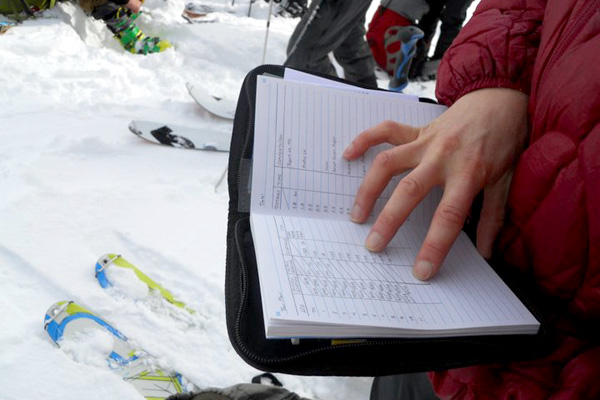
{"x":523,"y":128}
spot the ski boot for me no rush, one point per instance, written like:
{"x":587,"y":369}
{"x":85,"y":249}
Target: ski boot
{"x":130,"y":35}
{"x":404,"y":40}
{"x":429,"y":71}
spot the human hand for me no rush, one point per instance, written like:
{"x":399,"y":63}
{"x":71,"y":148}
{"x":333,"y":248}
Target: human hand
{"x":472,"y":146}
{"x":294,"y":8}
{"x":134,"y":5}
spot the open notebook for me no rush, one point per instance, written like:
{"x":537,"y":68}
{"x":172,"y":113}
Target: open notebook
{"x":316,"y":277}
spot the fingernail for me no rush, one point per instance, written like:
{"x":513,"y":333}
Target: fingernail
{"x":374,"y":241}
{"x":356,"y":213}
{"x":423,"y":270}
{"x":348,"y":152}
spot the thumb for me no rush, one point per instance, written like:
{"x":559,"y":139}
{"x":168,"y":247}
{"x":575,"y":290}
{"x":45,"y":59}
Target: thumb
{"x":492,"y":215}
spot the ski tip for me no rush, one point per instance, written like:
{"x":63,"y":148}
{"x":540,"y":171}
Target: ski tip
{"x":189,"y":87}
{"x":60,"y":314}
{"x":104,"y":262}
{"x":64,"y":313}
{"x":55,"y":309}
{"x":134,"y":129}
{"x":53,"y":317}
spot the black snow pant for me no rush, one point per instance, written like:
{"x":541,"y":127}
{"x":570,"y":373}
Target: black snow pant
{"x":114,"y":14}
{"x":336,"y":26}
{"x":109,"y":13}
{"x":105,"y":11}
{"x":402,"y":387}
{"x":452,"y":15}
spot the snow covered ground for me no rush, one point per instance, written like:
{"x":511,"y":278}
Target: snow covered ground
{"x":76,"y":184}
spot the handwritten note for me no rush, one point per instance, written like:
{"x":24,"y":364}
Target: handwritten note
{"x":313,"y":266}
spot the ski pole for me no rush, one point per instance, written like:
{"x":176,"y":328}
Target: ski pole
{"x":311,"y":17}
{"x":221,"y":179}
{"x":267,"y":33}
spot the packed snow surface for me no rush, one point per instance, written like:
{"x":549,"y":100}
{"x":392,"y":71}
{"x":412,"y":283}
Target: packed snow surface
{"x":76,"y":184}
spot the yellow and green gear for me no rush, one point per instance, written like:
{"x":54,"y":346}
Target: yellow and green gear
{"x":67,"y":320}
{"x":116,"y":261}
{"x":131,"y":37}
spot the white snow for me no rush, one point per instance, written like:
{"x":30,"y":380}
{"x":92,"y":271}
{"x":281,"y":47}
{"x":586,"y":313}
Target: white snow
{"x":89,"y":346}
{"x":76,"y":184}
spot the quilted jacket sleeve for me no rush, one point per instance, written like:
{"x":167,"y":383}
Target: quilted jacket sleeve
{"x":569,"y":373}
{"x":496,"y":48}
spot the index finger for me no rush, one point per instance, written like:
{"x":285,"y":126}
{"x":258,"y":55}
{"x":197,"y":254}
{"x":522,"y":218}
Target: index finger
{"x":386,"y":132}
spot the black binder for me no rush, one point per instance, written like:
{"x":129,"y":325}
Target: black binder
{"x":372,"y":357}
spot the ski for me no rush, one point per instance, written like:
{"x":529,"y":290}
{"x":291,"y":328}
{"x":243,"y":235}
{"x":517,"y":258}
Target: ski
{"x":114,"y":271}
{"x":218,"y":106}
{"x":180,"y":136}
{"x":198,"y":13}
{"x":75,"y":328}
{"x":6,"y":25}
{"x":202,"y":13}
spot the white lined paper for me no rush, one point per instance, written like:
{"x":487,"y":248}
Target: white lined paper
{"x":314,"y":270}
{"x":299,"y":76}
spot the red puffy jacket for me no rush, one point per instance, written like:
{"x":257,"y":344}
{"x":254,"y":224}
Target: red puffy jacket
{"x":550,"y":50}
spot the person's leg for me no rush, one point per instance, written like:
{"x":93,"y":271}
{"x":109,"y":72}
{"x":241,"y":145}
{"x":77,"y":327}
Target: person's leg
{"x":105,"y":12}
{"x":304,"y":50}
{"x":428,"y":24}
{"x":413,"y":10}
{"x":354,"y":55}
{"x":322,"y":30}
{"x":452,"y":17}
{"x":402,"y":387}
{"x":121,"y":22}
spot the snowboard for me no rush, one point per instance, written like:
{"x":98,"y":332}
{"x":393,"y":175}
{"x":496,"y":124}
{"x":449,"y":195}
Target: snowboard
{"x":181,"y":136}
{"x":218,"y":106}
{"x":70,"y":325}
